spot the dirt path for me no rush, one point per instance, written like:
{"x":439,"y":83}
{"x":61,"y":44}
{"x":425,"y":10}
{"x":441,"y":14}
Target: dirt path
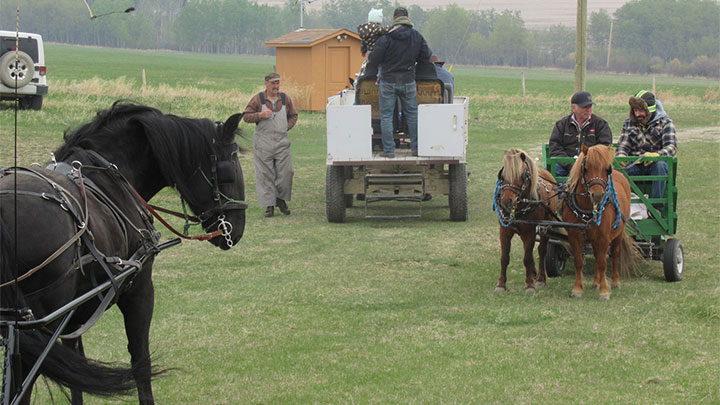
{"x":699,"y":133}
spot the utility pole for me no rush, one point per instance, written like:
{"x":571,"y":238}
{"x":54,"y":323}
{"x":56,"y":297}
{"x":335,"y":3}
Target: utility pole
{"x":302,"y":12}
{"x":580,"y":45}
{"x":610,"y":44}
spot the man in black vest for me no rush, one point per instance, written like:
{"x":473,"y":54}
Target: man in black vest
{"x":580,"y":127}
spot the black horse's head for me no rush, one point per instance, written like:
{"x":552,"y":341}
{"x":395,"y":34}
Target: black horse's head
{"x":216,"y":190}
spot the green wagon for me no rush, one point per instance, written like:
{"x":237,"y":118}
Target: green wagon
{"x":653,"y":229}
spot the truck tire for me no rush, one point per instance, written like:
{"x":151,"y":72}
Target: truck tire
{"x":31,"y":103}
{"x":457,"y":198}
{"x":23,"y":70}
{"x":348,"y":197}
{"x":673,"y":260}
{"x":334,"y":195}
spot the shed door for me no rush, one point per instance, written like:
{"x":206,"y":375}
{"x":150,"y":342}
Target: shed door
{"x":338,"y":70}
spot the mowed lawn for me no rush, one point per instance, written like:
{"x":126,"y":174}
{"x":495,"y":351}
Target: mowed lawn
{"x":377,"y":311}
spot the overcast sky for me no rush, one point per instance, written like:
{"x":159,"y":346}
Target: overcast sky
{"x":535,"y":13}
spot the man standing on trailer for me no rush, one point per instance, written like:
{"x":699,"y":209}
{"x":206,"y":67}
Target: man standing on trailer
{"x":274,"y":115}
{"x":396,"y":53}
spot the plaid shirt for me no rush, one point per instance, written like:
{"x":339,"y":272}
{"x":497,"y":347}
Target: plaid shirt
{"x":659,"y":136}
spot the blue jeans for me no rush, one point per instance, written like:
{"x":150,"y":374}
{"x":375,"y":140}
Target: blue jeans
{"x":560,"y":170}
{"x":659,"y":168}
{"x":407,"y":93}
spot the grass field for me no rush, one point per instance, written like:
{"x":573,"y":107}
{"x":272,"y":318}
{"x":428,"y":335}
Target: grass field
{"x":401,"y":311}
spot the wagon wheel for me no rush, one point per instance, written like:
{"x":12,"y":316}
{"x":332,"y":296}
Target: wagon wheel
{"x":334,"y":196}
{"x":348,"y":197}
{"x":555,"y":259}
{"x":21,"y":69}
{"x":673,"y":260}
{"x":457,"y":197}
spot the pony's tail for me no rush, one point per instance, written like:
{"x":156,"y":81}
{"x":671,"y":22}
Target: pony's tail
{"x":68,"y":368}
{"x":630,"y":255}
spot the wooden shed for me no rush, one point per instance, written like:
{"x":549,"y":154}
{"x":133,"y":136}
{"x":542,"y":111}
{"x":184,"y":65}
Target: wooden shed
{"x":316,"y":63}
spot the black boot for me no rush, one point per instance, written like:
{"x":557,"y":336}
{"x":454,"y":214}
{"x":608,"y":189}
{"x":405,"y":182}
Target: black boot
{"x":269,"y":211}
{"x":283,"y":206}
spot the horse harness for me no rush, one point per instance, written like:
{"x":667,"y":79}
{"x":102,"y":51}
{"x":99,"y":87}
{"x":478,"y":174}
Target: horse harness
{"x":609,"y":196}
{"x":508,"y":218}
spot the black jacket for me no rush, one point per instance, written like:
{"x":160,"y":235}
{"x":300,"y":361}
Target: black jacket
{"x":567,"y":139}
{"x":397,"y":52}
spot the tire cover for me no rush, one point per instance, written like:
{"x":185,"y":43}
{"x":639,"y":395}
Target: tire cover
{"x":24,"y":69}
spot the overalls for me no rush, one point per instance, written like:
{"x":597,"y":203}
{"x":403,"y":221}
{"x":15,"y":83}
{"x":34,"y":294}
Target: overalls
{"x":273,"y":162}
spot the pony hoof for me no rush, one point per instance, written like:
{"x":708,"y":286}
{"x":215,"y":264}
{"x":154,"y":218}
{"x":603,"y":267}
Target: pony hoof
{"x":605,"y":297}
{"x":499,"y":289}
{"x":576,"y":294}
{"x":616,"y":286}
{"x":595,"y":286}
{"x":529,"y":290}
{"x":540,"y":283}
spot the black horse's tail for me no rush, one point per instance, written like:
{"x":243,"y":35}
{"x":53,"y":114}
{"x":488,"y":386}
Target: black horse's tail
{"x":63,"y":365}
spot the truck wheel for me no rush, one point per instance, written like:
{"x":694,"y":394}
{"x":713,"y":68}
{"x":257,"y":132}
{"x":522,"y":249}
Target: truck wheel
{"x":555,"y":259}
{"x":21,"y":70}
{"x":348,"y":197}
{"x":31,"y":103}
{"x":334,"y":196}
{"x":673,"y":260}
{"x":457,"y":197}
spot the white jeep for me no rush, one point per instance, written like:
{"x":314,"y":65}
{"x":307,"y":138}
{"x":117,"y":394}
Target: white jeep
{"x":22,"y":69}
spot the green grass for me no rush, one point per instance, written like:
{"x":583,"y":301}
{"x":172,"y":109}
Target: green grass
{"x":402,"y":311}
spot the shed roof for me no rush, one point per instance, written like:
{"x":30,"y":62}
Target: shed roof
{"x":308,"y":37}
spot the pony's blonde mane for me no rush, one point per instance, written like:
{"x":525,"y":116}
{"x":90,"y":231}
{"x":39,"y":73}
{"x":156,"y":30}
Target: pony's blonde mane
{"x":597,"y":156}
{"x":514,"y":165}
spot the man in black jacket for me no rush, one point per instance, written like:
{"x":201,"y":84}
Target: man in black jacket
{"x":580,"y":127}
{"x":396,"y":53}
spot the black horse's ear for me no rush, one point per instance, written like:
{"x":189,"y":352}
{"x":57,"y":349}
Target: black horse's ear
{"x":500,"y":177}
{"x":522,"y":157}
{"x":231,"y":125}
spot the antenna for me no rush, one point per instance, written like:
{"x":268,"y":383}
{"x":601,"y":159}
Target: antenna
{"x":93,"y":16}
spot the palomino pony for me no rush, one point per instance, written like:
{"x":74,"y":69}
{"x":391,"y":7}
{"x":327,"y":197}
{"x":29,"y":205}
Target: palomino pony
{"x":523,"y":196}
{"x":600,"y":198}
{"x":68,"y":227}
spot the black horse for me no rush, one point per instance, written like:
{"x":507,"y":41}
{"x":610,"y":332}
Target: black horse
{"x":67,"y":228}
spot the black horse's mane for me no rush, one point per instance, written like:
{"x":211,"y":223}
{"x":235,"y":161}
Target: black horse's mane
{"x":179,"y":144}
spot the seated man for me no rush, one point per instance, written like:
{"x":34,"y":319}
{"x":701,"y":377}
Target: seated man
{"x":580,"y":127}
{"x":443,"y":74}
{"x":648,"y":132}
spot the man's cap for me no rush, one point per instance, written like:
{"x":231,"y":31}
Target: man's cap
{"x":400,"y":12}
{"x":375,"y":15}
{"x":582,"y":99}
{"x":648,"y":98}
{"x":272,"y":77}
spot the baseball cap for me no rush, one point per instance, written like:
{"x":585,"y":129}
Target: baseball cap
{"x":582,"y":99}
{"x":272,"y":76}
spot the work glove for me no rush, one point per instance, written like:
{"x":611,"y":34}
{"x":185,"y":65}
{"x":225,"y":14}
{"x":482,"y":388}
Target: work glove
{"x":650,"y":154}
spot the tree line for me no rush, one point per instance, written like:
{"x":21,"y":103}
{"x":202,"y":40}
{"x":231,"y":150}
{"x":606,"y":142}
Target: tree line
{"x":680,"y":37}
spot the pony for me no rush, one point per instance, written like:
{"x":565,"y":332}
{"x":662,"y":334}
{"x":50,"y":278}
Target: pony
{"x":523,"y":196}
{"x":84,"y":219}
{"x":600,"y":198}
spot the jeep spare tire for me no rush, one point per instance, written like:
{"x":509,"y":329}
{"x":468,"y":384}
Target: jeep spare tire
{"x":20,"y":69}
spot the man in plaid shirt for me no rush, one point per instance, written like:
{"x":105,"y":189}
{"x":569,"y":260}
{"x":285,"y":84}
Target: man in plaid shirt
{"x":648,"y":132}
